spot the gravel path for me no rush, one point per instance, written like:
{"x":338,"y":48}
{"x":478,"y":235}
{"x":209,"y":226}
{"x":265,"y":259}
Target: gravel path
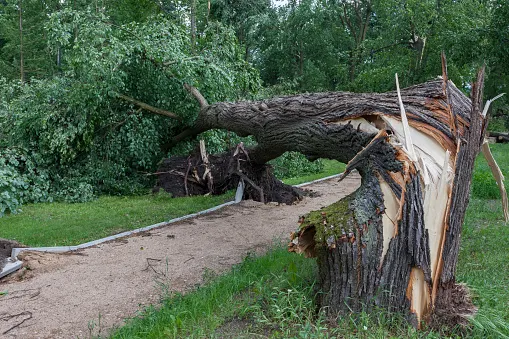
{"x":67,"y":295}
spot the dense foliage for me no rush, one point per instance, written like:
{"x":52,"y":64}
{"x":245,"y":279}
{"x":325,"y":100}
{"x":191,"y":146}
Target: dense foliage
{"x":65,"y":133}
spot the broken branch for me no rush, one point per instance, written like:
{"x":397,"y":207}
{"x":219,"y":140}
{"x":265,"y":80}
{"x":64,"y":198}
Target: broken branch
{"x":499,"y":177}
{"x":205,"y":159}
{"x":197,"y":95}
{"x":409,"y":145}
{"x":251,"y":182}
{"x":149,"y":108}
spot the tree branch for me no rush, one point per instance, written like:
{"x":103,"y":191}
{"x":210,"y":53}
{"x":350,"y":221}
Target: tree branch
{"x":197,"y":95}
{"x":149,"y":108}
{"x":186,"y":134}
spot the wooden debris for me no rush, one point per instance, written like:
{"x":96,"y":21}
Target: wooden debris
{"x":499,"y":177}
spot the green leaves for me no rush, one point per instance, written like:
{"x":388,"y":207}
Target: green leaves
{"x":89,"y":141}
{"x":21,"y":181}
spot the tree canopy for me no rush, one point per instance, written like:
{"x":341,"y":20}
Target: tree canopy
{"x":73,"y":74}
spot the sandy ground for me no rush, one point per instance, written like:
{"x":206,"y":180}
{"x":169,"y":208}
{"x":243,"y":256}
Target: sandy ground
{"x":89,"y":292}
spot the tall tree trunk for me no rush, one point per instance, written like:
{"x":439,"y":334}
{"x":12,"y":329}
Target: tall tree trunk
{"x":193,"y":25}
{"x":394,"y":242}
{"x":21,"y":59}
{"x":355,"y":19}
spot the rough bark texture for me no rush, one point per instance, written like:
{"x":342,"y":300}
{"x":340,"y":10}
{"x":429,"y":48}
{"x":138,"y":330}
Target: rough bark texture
{"x":317,"y":124}
{"x":357,"y":271}
{"x":394,"y":243}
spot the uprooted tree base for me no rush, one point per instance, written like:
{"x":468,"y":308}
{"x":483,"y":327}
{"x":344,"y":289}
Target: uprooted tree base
{"x":185,"y":176}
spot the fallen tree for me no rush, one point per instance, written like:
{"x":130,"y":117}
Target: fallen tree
{"x":394,"y":243}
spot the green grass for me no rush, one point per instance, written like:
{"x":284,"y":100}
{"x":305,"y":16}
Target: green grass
{"x":57,"y":224}
{"x":330,"y":167}
{"x":231,"y":296}
{"x":272,"y":296}
{"x":484,"y":263}
{"x":267,"y":296}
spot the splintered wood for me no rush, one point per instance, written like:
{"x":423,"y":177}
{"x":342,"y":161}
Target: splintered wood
{"x":399,"y":233}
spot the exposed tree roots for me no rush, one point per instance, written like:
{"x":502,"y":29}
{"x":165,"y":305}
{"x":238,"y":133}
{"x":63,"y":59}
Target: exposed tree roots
{"x":186,"y":176}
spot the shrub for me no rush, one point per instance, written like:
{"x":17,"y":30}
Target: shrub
{"x":293,"y":164}
{"x":21,"y":180}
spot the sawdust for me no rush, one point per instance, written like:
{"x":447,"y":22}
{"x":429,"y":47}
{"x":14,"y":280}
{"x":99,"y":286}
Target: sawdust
{"x":89,"y":292}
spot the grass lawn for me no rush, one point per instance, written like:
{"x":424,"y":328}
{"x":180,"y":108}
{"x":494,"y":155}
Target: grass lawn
{"x":272,"y":296}
{"x":330,"y":167}
{"x":57,"y":224}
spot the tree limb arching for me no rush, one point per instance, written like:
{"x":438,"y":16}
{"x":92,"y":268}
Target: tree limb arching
{"x":197,"y":95}
{"x":149,"y":107}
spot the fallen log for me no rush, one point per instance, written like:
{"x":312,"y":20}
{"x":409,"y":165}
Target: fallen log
{"x":394,"y":243}
{"x":500,"y":137}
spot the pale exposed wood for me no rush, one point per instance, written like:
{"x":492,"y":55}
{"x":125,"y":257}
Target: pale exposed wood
{"x":441,"y":204}
{"x":390,"y":216}
{"x":409,"y":145}
{"x":360,"y":124}
{"x":499,"y":177}
{"x":419,"y":295}
{"x":433,"y":164}
{"x":206,"y":163}
{"x":425,"y":146}
{"x":488,"y":103}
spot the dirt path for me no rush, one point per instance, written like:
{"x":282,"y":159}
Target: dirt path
{"x":63,"y":296}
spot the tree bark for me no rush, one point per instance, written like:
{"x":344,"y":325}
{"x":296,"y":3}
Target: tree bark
{"x":394,"y":243}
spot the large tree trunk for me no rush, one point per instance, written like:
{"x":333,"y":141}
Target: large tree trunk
{"x":394,"y":242}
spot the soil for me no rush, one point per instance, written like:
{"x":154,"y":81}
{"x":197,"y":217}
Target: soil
{"x":89,"y":292}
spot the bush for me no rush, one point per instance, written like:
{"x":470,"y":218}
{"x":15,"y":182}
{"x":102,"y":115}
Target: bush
{"x":293,"y":164}
{"x":21,"y":180}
